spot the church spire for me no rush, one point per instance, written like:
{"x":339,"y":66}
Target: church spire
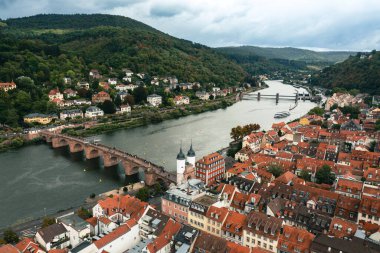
{"x":181,"y":155}
{"x":191,"y":152}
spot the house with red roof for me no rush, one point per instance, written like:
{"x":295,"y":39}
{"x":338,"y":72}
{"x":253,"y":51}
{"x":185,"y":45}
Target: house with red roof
{"x":27,"y":245}
{"x":55,"y":94}
{"x":294,"y":240}
{"x":8,"y":86}
{"x":262,"y":231}
{"x":119,"y":208}
{"x":232,"y":228}
{"x":369,"y":210}
{"x":349,"y":187}
{"x":342,"y":228}
{"x":162,"y":243}
{"x":372,"y":175}
{"x":347,"y":208}
{"x":210,"y":168}
{"x":216,"y":216}
{"x":253,"y":141}
{"x":121,"y":239}
{"x":100,"y":97}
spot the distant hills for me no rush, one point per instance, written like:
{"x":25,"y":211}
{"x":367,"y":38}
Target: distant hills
{"x":49,"y":47}
{"x":288,"y":53}
{"x":361,"y":72}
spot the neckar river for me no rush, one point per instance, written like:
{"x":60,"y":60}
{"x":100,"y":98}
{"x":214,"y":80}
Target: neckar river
{"x":38,"y":179}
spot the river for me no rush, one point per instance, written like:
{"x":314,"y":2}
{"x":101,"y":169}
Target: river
{"x":38,"y":180}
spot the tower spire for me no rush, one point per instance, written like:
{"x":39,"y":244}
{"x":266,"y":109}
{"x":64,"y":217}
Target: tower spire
{"x":181,"y":155}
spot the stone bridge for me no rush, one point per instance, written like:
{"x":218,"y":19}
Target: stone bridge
{"x":111,"y":157}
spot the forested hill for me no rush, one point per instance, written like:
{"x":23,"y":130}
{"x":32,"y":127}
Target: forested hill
{"x":50,"y":47}
{"x":361,"y":72}
{"x":78,"y":21}
{"x":288,"y":53}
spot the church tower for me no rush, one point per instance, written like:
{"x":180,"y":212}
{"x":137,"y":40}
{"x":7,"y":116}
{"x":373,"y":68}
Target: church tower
{"x":191,"y":156}
{"x":181,"y":164}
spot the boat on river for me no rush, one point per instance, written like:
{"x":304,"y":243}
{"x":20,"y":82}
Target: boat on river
{"x":280,"y":115}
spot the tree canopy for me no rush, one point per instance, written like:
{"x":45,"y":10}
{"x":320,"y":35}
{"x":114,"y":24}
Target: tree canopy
{"x":324,"y":175}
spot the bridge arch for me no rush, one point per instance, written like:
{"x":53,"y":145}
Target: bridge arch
{"x":76,"y":147}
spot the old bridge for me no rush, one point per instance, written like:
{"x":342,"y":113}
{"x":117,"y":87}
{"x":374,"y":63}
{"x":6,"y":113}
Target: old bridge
{"x":111,"y":157}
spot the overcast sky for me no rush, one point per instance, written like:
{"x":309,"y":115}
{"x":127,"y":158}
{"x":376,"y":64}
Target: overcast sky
{"x":316,"y":24}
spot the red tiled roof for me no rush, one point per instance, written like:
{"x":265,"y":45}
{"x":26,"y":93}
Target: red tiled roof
{"x":128,"y":204}
{"x":93,"y":221}
{"x":295,"y":240}
{"x":8,"y":248}
{"x":104,"y":220}
{"x":217,"y":214}
{"x":349,"y":186}
{"x":341,"y":228}
{"x":236,"y":248}
{"x":370,"y":206}
{"x":211,"y":158}
{"x":234,"y":223}
{"x":165,"y":237}
{"x":286,"y":177}
{"x":27,"y":245}
{"x":120,"y":231}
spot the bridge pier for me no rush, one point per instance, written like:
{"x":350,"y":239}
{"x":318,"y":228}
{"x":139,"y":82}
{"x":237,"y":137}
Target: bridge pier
{"x":75,"y":147}
{"x":91,"y":153}
{"x":150,"y":177}
{"x":129,"y":168}
{"x":110,"y":160}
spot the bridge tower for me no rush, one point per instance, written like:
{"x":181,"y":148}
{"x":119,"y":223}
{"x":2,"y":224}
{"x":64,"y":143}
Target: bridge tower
{"x":258,"y":96}
{"x":277,"y":97}
{"x":181,"y":165}
{"x":191,"y":156}
{"x":297,"y":97}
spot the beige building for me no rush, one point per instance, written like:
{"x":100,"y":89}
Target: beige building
{"x":261,"y":231}
{"x":215,"y":218}
{"x":197,"y":211}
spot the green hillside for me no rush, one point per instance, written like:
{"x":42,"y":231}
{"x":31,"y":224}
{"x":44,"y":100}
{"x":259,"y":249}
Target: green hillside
{"x":49,"y":47}
{"x":287,"y":53}
{"x":361,"y":72}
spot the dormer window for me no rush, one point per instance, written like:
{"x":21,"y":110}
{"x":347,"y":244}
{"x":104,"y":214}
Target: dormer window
{"x":287,"y":235}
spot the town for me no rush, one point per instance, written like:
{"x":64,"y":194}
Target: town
{"x":310,"y":185}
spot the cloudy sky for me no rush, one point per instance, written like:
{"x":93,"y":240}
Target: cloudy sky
{"x":316,"y":24}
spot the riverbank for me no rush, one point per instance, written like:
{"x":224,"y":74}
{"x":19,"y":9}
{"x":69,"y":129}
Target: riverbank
{"x":140,"y":117}
{"x":156,"y":115}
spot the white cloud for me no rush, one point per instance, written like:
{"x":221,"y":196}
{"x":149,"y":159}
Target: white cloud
{"x":333,"y":24}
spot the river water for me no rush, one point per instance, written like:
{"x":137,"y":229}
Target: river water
{"x":37,"y":179}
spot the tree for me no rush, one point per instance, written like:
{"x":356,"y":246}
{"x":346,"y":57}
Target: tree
{"x":129,"y":99}
{"x":47,"y":221}
{"x":275,"y":170}
{"x":143,"y":194}
{"x":239,"y":132}
{"x":316,"y":111}
{"x":118,"y":101}
{"x":84,"y":213}
{"x":324,"y":175}
{"x":305,"y":175}
{"x":108,"y":107}
{"x":10,"y":236}
{"x":140,"y":94}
